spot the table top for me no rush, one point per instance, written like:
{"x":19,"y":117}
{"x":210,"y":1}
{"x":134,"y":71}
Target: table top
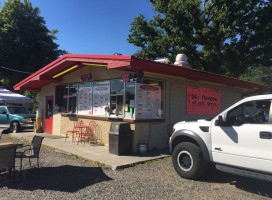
{"x":10,"y":144}
{"x":82,"y":126}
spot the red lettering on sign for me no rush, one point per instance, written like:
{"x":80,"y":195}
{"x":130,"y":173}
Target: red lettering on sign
{"x":149,"y":88}
{"x":202,"y":101}
{"x":101,"y":88}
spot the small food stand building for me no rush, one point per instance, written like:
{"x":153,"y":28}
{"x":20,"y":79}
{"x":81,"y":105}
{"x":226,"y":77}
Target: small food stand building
{"x":149,"y":95}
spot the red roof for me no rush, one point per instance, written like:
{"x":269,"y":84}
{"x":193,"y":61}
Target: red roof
{"x":45,"y":75}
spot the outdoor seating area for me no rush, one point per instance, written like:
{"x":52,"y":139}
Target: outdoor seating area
{"x":9,"y":152}
{"x":85,"y":133}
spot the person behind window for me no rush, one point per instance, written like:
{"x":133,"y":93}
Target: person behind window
{"x":49,"y":112}
{"x":56,"y":108}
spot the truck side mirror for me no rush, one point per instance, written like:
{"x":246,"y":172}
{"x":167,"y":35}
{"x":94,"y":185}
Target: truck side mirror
{"x":219,"y":121}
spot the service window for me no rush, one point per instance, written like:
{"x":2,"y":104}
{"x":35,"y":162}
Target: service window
{"x":117,"y":98}
{"x":101,"y":98}
{"x":149,"y":99}
{"x":61,"y":96}
{"x":84,"y":100}
{"x":253,"y":112}
{"x":72,"y":98}
{"x":130,"y":100}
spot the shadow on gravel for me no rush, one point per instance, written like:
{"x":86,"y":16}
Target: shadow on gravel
{"x":251,"y":185}
{"x":153,"y":153}
{"x":64,"y":178}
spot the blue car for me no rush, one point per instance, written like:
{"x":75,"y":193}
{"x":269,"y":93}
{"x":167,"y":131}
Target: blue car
{"x":16,"y":118}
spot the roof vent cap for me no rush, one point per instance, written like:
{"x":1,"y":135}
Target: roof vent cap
{"x":181,"y":60}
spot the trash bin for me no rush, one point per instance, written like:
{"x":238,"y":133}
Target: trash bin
{"x":120,"y":138}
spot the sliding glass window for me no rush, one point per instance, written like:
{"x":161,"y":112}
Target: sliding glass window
{"x":72,"y":98}
{"x":117,"y":98}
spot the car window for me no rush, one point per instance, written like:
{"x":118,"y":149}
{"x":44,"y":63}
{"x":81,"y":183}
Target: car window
{"x":18,"y":110}
{"x":255,"y":112}
{"x":3,"y":110}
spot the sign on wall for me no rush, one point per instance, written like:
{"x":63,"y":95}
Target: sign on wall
{"x":85,"y":99}
{"x":148,"y":103}
{"x":202,"y":101}
{"x":101,"y":98}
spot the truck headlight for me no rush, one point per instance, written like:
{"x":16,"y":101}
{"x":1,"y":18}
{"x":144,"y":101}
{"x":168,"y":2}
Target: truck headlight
{"x":27,"y":120}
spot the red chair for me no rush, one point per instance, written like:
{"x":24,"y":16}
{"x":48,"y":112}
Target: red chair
{"x":75,"y":132}
{"x":89,"y":134}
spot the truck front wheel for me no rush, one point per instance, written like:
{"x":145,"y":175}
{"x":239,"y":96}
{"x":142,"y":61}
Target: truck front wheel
{"x":15,"y":127}
{"x":188,"y":160}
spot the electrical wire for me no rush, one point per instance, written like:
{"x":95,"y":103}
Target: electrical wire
{"x":15,"y":70}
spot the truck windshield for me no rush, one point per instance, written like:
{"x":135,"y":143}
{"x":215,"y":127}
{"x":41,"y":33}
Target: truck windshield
{"x":18,"y":110}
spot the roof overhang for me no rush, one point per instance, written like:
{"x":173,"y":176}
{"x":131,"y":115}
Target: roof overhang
{"x":69,"y":63}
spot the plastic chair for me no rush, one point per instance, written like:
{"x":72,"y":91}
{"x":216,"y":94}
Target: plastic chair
{"x":7,"y":157}
{"x":32,"y":151}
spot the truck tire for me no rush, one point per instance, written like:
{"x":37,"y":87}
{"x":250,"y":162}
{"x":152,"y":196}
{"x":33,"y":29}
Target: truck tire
{"x":188,"y":160}
{"x":15,"y":127}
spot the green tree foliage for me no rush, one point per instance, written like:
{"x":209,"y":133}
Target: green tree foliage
{"x":26,"y":44}
{"x":225,"y":37}
{"x":262,"y":75}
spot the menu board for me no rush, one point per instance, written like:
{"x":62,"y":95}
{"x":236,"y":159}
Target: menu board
{"x":148,"y":101}
{"x":101,"y":98}
{"x":85,"y":99}
{"x":202,"y":101}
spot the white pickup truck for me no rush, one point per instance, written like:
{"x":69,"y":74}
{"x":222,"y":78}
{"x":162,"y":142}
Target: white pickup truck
{"x":238,"y":141}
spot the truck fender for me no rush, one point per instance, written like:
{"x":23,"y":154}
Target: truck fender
{"x":189,"y":135}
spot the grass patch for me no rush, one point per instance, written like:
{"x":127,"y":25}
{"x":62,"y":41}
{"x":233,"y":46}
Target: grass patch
{"x":18,"y":139}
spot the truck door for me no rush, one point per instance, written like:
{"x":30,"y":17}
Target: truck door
{"x":245,"y":140}
{"x":4,"y":118}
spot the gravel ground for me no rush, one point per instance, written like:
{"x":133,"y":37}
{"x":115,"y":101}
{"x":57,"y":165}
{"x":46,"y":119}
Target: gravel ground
{"x":64,"y":177}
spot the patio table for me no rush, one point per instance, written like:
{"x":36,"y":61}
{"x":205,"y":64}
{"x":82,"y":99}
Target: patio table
{"x":81,"y":134}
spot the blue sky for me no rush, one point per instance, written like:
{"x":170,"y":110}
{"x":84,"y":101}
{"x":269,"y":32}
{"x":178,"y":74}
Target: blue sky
{"x":93,"y":26}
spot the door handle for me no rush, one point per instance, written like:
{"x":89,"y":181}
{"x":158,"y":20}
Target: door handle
{"x":265,"y":135}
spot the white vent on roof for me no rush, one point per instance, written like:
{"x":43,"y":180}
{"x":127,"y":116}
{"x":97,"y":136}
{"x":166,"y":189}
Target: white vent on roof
{"x":164,"y":60}
{"x":181,"y":60}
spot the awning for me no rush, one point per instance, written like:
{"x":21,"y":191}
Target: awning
{"x":8,"y":97}
{"x":69,"y":63}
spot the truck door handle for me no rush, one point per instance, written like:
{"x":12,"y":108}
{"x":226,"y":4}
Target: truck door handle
{"x":265,"y":135}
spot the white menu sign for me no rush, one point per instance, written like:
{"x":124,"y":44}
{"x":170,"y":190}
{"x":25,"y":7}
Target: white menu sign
{"x":85,"y":99}
{"x":148,"y":101}
{"x":101,"y":99}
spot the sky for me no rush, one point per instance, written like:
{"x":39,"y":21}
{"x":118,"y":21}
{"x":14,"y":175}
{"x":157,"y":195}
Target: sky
{"x":93,"y":26}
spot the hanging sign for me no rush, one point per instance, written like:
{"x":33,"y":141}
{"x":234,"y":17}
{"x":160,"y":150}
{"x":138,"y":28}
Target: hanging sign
{"x":132,"y":77}
{"x":86,"y":77}
{"x":202,"y":101}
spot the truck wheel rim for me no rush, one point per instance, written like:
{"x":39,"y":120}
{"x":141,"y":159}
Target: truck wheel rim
{"x":14,"y":128}
{"x":185,"y":161}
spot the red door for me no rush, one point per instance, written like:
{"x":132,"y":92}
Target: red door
{"x":49,"y":114}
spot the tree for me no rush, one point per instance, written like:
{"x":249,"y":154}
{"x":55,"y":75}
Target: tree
{"x":225,"y":37}
{"x":262,"y":75}
{"x":26,"y":44}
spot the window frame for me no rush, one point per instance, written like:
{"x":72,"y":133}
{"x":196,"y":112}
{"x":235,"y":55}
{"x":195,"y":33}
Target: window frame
{"x":133,"y":116}
{"x":253,"y":122}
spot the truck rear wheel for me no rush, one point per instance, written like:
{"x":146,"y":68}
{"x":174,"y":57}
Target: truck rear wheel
{"x":188,"y":160}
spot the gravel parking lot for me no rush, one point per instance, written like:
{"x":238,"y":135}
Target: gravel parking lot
{"x":64,"y":177}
